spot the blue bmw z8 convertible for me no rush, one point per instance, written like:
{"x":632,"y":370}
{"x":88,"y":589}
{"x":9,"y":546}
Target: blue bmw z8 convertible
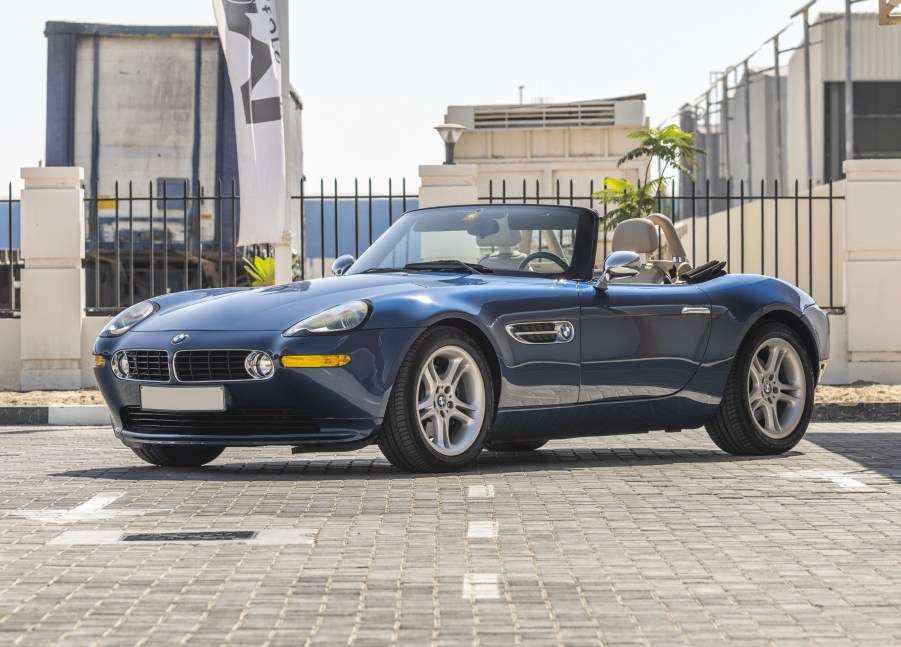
{"x":466,"y":328}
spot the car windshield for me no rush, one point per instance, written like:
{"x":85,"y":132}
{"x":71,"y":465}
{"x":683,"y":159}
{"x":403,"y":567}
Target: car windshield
{"x":497,"y":239}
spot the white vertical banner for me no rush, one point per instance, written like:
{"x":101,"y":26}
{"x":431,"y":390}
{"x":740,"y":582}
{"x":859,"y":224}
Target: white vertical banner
{"x":249,"y":32}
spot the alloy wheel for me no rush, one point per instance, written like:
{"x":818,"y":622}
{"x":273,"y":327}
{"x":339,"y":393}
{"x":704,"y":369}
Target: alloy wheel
{"x":450,"y":400}
{"x":776,"y":388}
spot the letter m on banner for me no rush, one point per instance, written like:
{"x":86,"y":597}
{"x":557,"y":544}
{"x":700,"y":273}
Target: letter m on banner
{"x":249,"y":33}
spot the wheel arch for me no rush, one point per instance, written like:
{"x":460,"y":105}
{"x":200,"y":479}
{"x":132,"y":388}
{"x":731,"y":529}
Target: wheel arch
{"x":796,"y":323}
{"x":483,"y":342}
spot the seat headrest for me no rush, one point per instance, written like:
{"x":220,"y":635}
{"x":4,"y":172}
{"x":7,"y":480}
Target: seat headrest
{"x":636,"y":235}
{"x":503,"y":237}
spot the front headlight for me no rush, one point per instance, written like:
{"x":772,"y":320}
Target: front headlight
{"x":129,"y":318}
{"x":343,"y":318}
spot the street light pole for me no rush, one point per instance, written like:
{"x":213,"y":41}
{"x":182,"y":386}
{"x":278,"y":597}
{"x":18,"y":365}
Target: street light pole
{"x":849,"y":87}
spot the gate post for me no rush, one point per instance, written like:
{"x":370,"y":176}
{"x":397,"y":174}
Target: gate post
{"x":446,"y":184}
{"x":873,"y":269}
{"x":53,"y":280}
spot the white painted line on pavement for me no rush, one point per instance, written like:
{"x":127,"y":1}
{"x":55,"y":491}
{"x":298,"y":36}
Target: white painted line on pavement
{"x":844,"y":480}
{"x":480,"y":491}
{"x":839,"y":478}
{"x":274,"y":537}
{"x":480,"y":586}
{"x":482,"y":530}
{"x":90,"y":510}
{"x":96,"y":503}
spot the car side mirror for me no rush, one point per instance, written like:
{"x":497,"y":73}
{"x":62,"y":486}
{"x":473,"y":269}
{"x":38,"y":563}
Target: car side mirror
{"x":342,"y":264}
{"x":616,"y":260}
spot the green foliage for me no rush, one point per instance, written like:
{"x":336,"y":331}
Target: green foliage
{"x":673,"y":147}
{"x":631,"y":201}
{"x":261,"y":270}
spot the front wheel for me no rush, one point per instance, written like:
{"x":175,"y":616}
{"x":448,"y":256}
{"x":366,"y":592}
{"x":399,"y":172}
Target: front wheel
{"x":178,"y":455}
{"x":442,"y":404}
{"x":768,"y":400}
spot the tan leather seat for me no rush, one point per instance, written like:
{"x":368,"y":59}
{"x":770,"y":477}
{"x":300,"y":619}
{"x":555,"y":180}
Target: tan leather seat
{"x":640,"y":235}
{"x":504,"y":257}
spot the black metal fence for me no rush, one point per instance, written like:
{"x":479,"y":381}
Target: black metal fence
{"x":140,"y":244}
{"x":791,"y":235}
{"x":337,"y":223}
{"x":10,"y":259}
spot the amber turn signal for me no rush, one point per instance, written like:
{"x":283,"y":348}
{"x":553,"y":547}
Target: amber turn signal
{"x":314,"y":361}
{"x":99,"y":360}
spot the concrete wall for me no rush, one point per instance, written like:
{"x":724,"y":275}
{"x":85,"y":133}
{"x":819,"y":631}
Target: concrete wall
{"x":764,"y":162}
{"x":792,"y":260}
{"x":873,"y":270}
{"x":10,"y":354}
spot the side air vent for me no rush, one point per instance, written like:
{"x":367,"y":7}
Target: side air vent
{"x":542,"y":332}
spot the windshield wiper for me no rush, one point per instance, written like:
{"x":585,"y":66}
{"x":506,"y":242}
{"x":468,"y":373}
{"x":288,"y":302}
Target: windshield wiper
{"x":376,"y":270}
{"x":451,"y":265}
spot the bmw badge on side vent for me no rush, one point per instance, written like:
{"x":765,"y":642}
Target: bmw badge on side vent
{"x":179,"y":338}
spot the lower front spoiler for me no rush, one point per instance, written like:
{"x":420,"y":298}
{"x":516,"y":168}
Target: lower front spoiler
{"x":332,"y":440}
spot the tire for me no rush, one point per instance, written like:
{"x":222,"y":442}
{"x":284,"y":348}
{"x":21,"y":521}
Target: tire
{"x":515,"y":445}
{"x":768,"y":400}
{"x":178,"y":455}
{"x":443,"y":382}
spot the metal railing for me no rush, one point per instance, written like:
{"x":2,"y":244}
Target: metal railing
{"x":327,"y":217}
{"x":10,"y":258}
{"x":790,"y":235}
{"x":139,"y":245}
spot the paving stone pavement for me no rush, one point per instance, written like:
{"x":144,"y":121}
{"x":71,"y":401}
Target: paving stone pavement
{"x":653,"y":539}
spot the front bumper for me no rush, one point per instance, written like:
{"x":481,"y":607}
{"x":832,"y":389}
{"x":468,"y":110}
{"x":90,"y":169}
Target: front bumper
{"x":311,"y":409}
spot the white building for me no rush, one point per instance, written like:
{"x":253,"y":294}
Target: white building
{"x":876,"y":71}
{"x":152,"y":106}
{"x":876,"y":61}
{"x":546,"y":144}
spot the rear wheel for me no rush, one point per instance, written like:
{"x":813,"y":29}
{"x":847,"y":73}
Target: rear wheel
{"x":515,"y":445}
{"x":768,"y":400}
{"x":178,"y":455}
{"x":442,"y":404}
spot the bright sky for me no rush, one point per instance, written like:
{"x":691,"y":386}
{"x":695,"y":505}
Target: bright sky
{"x":375,"y":77}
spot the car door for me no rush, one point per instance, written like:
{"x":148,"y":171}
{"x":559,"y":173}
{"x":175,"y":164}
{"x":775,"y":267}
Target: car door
{"x":641,"y":340}
{"x":536,"y":329}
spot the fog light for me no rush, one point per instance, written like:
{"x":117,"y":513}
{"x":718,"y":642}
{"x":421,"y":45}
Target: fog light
{"x":259,"y":365}
{"x":121,"y":369}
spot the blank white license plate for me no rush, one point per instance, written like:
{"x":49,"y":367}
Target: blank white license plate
{"x":183,"y":398}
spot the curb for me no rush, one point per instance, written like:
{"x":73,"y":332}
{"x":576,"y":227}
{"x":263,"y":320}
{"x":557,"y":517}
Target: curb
{"x":859,"y":412}
{"x":71,"y":415}
{"x":98,"y":416}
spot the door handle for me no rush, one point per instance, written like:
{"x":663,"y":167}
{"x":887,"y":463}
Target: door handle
{"x":696,"y":310}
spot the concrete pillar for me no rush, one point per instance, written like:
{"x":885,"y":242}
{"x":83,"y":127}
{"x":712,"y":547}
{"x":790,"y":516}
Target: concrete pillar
{"x":445,"y":184}
{"x":53,"y":283}
{"x":873,"y":269}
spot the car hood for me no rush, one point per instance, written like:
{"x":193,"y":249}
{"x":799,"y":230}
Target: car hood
{"x":280,"y":307}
